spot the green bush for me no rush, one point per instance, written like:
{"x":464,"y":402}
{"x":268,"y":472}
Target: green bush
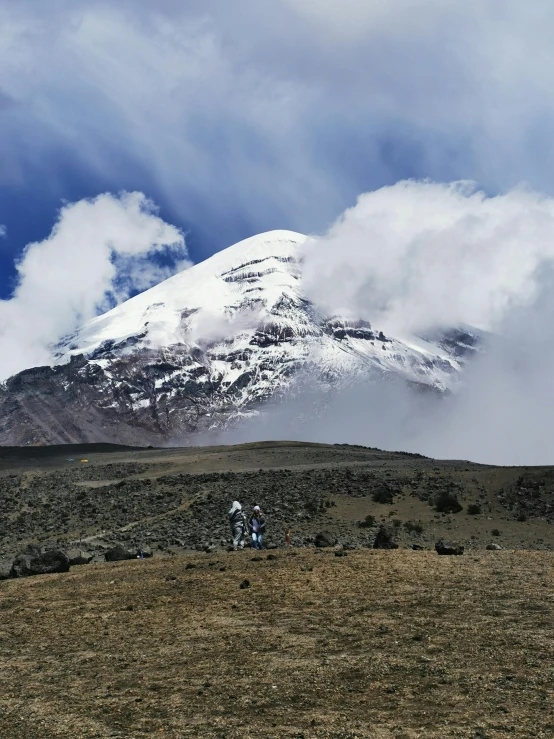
{"x":411,"y":526}
{"x":447,"y":503}
{"x":474,"y":509}
{"x":368,"y":522}
{"x":495,"y":532}
{"x":382,"y":496}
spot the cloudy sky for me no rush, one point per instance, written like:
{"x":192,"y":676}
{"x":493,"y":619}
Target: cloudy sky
{"x":228,"y":119}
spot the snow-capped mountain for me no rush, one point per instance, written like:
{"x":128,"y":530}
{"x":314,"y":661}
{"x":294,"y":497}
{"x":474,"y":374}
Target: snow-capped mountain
{"x":206,"y":348}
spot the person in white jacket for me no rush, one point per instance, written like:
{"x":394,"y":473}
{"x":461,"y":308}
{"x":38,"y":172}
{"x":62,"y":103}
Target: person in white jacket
{"x":237,"y":521}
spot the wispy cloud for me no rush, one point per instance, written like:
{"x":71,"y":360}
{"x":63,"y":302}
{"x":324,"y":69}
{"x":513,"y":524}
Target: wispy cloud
{"x":96,"y":255}
{"x":278,"y":114}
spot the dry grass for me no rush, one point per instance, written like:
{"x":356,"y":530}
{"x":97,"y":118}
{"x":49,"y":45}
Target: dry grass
{"x":375,"y":644}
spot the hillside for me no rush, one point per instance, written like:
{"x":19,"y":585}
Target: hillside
{"x":176,"y":500}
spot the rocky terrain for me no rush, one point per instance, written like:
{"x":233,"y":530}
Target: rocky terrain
{"x":176,"y":500}
{"x":360,"y":630}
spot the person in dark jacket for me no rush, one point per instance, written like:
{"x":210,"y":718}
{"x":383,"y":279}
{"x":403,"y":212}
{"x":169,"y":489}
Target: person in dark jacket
{"x":257,"y":528}
{"x":237,"y":521}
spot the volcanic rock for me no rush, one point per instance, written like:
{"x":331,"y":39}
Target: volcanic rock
{"x":442,"y":547}
{"x":118,"y":554}
{"x":325,"y":539}
{"x":35,"y":562}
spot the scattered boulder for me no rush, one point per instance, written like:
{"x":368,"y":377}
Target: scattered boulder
{"x":417,"y":547}
{"x":118,"y":554}
{"x":341,"y":553}
{"x":244,"y":584}
{"x":5,"y":568}
{"x":35,"y":562}
{"x":384,"y":539}
{"x":325,"y":539}
{"x":493,"y":547}
{"x":79,"y":557}
{"x":442,"y":547}
{"x":147,"y":552}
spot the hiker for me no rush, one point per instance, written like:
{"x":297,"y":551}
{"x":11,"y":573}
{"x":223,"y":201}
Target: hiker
{"x":237,"y":521}
{"x":257,"y":527}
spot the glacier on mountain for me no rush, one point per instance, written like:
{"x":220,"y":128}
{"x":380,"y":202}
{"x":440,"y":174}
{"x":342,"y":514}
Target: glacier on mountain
{"x":207,"y":347}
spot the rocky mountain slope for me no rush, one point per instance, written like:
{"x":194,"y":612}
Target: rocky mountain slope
{"x":206,"y":349}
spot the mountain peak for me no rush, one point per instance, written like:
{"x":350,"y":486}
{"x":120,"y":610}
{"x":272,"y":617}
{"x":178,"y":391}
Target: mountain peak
{"x":208,"y":347}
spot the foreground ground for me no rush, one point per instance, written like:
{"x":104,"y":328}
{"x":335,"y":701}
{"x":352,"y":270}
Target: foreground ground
{"x":376,"y":644}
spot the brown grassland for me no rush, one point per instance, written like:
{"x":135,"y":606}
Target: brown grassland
{"x":377,"y":644}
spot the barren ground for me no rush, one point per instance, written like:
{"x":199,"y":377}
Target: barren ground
{"x":372,"y":644}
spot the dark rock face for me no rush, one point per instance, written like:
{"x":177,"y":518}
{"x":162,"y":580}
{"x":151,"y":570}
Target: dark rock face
{"x":442,"y":547}
{"x":325,"y":539}
{"x":35,"y":562}
{"x":384,"y":539}
{"x":118,"y":554}
{"x":79,"y":557}
{"x":5,"y":568}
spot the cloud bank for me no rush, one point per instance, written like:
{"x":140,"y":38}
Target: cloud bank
{"x":418,"y":255}
{"x":99,"y":252}
{"x":249,"y":116}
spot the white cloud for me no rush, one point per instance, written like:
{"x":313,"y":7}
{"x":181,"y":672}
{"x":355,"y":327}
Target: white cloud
{"x":95,"y":255}
{"x":422,"y":254}
{"x":277,"y":111}
{"x":3,"y":231}
{"x":419,"y":254}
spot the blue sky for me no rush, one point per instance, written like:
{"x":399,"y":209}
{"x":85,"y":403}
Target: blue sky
{"x":235,"y":118}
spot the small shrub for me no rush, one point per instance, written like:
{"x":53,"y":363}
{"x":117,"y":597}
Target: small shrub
{"x":382,"y":496}
{"x":397,"y":523}
{"x":447,"y":503}
{"x":474,"y":509}
{"x":411,"y":526}
{"x":368,"y":522}
{"x":522,"y":517}
{"x":495,"y":532}
{"x":313,"y":506}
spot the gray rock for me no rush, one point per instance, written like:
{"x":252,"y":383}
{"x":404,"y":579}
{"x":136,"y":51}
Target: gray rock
{"x":325,"y":539}
{"x":493,"y":547}
{"x":118,"y":554}
{"x":445,"y":548}
{"x":79,"y":557}
{"x":384,"y":538}
{"x":5,"y":568}
{"x":35,"y":562}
